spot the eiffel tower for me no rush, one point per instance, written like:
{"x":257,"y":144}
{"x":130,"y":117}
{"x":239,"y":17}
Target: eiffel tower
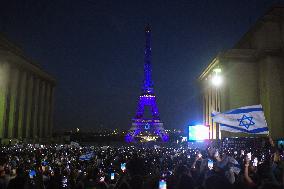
{"x":140,"y":124}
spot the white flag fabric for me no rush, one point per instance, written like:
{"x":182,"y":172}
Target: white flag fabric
{"x":248,"y":119}
{"x":75,"y":144}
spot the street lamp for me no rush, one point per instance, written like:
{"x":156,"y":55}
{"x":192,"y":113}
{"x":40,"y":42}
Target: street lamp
{"x":217,"y":78}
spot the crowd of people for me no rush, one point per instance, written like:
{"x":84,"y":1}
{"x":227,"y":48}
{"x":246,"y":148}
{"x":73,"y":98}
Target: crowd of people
{"x":139,"y":167}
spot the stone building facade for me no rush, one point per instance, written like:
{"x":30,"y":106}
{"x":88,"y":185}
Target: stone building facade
{"x":26,"y":96}
{"x":252,"y":72}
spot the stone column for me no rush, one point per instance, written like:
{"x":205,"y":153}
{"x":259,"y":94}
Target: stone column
{"x":51,"y":109}
{"x":15,"y":128}
{"x":208,"y":110}
{"x":21,"y":109}
{"x":204,"y":107}
{"x":13,"y":99}
{"x":4,"y":78}
{"x":47,"y":111}
{"x":41,"y":109}
{"x":29,"y":106}
{"x":35,"y":108}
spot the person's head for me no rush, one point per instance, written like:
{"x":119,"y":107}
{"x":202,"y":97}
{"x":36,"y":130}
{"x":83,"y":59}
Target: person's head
{"x":211,"y":152}
{"x":2,"y":170}
{"x":20,"y":171}
{"x":92,"y":173}
{"x":124,"y":186}
{"x":217,"y":182}
{"x":181,"y":170}
{"x":136,"y":182}
{"x":270,"y":185}
{"x":185,"y":182}
{"x":264,"y":172}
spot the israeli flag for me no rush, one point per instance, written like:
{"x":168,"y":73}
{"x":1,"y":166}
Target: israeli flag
{"x":86,"y":157}
{"x":248,"y":119}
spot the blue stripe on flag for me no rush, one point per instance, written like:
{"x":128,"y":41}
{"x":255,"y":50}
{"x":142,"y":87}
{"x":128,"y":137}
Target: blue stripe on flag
{"x":240,"y":111}
{"x":258,"y":130}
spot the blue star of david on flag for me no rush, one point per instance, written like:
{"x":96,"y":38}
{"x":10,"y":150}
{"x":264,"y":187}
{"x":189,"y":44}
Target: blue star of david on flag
{"x":246,"y":121}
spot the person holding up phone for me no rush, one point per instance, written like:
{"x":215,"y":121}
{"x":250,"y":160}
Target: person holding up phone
{"x":210,"y":164}
{"x":162,"y":184}
{"x":20,"y":180}
{"x":197,"y":158}
{"x":248,"y":179}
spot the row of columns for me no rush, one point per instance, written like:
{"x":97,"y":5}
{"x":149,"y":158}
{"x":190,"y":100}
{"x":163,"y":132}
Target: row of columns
{"x":211,"y":101}
{"x":26,"y":103}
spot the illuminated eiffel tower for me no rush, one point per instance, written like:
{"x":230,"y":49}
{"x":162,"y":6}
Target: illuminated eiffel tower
{"x":147,"y":99}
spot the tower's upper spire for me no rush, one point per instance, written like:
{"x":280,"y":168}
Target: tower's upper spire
{"x":148,"y":85}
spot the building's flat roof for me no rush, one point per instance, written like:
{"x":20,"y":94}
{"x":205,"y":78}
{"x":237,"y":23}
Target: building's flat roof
{"x":9,"y":49}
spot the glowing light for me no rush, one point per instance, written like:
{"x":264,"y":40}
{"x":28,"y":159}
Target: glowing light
{"x":184,"y":139}
{"x":217,"y":70}
{"x":147,"y":99}
{"x":198,"y":132}
{"x":216,"y":80}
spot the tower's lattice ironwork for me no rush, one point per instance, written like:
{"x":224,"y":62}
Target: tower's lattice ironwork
{"x":147,"y":99}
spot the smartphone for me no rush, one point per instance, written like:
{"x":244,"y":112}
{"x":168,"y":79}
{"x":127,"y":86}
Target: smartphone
{"x":44,"y":163}
{"x":249,"y":155}
{"x":123,"y":166}
{"x":162,"y":184}
{"x":199,"y":155}
{"x":102,"y":179}
{"x":210,"y":164}
{"x":112,"y":176}
{"x":32,"y":174}
{"x":64,"y":182}
{"x":216,"y":154}
{"x":255,"y":161}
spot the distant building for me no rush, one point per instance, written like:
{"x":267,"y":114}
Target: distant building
{"x":26,"y":96}
{"x":250,"y":73}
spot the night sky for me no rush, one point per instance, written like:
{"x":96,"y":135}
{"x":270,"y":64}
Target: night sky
{"x":95,"y":50}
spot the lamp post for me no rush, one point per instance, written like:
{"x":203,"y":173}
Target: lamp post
{"x":217,"y":81}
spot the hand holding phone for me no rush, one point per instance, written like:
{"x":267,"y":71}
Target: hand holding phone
{"x":123,"y":166}
{"x":162,"y":184}
{"x":199,"y":155}
{"x":255,"y":161}
{"x":112,"y":176}
{"x":216,"y":154}
{"x":102,"y":179}
{"x":64,"y":182}
{"x":32,"y":173}
{"x":210,"y":164}
{"x":249,"y":156}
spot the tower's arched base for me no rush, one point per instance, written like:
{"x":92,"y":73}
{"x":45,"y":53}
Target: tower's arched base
{"x":143,"y":128}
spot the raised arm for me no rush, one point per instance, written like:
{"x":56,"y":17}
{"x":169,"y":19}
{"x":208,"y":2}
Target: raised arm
{"x":248,"y":180}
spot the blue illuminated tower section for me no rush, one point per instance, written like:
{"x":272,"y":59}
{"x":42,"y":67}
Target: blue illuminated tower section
{"x":148,"y":84}
{"x":147,"y":99}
